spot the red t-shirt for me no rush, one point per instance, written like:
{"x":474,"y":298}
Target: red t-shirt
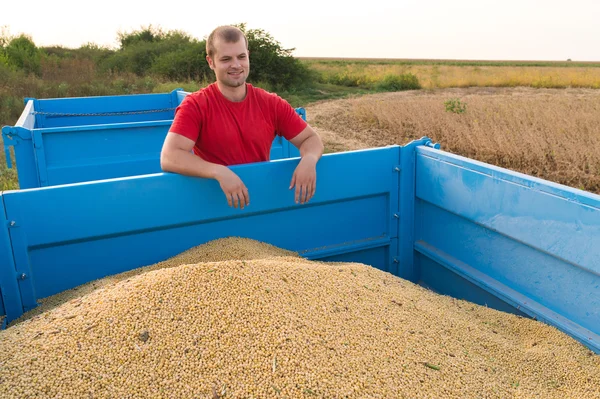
{"x":230,"y":133}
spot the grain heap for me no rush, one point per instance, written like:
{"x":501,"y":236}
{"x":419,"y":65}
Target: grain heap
{"x":203,"y":325}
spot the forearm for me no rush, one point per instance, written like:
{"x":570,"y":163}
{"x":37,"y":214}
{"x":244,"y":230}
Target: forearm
{"x":312,"y":148}
{"x":189,"y":164}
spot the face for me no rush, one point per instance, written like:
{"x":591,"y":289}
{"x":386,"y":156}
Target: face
{"x":230,"y":62}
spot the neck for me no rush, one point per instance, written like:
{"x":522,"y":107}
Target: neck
{"x":235,"y":94}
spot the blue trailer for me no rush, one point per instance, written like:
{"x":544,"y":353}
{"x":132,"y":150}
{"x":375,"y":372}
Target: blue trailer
{"x":69,"y":140}
{"x":93,"y":202}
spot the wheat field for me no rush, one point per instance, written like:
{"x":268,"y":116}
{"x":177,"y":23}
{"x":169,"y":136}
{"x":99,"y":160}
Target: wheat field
{"x":445,"y":76}
{"x":548,"y":133}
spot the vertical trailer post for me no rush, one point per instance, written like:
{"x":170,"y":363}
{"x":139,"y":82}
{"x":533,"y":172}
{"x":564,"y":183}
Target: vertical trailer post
{"x":405,"y":265}
{"x":177,"y":98}
{"x":9,"y":288}
{"x":20,"y":138}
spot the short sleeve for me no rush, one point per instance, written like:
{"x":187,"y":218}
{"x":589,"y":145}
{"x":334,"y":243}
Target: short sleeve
{"x":289,"y":123}
{"x":187,"y":119}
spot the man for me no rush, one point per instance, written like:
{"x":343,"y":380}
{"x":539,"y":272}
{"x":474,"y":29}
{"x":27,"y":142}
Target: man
{"x":232,"y":122}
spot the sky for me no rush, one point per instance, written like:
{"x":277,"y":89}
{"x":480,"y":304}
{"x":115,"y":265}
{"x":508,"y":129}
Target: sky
{"x":431,"y":29}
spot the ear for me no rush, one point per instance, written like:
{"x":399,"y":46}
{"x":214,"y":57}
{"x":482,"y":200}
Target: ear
{"x":210,"y":62}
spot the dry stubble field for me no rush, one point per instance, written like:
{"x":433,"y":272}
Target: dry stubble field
{"x":553,"y":134}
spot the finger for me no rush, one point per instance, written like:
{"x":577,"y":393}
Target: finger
{"x":228,"y":196}
{"x":309,"y":192}
{"x":314,"y":189}
{"x":235,"y":200}
{"x":306,"y":192}
{"x":297,"y":193}
{"x":246,"y":196}
{"x":243,"y":200}
{"x":240,"y":199}
{"x":293,"y":181}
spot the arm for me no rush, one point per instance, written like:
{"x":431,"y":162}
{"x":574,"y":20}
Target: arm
{"x":176,"y":157}
{"x":305,"y":176}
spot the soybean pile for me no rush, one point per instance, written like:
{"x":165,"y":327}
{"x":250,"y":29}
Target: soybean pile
{"x":237,"y":318}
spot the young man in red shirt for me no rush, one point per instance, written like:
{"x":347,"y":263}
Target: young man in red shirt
{"x":231,"y":122}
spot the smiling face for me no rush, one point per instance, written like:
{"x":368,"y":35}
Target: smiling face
{"x":230,"y":62}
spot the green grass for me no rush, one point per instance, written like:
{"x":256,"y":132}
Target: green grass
{"x":399,"y":61}
{"x":333,"y":79}
{"x":8,"y":177}
{"x":321,"y":91}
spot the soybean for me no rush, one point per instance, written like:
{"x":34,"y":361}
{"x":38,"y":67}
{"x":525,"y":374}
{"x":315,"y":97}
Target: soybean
{"x":237,"y":318}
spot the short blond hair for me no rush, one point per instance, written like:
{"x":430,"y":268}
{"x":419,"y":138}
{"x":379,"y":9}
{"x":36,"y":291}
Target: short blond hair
{"x":228,"y":33}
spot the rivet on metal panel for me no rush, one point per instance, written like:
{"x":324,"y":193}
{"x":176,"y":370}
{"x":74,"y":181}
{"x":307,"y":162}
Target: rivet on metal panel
{"x":22,"y":276}
{"x":396,"y":169}
{"x":396,"y":260}
{"x":12,"y":223}
{"x":396,"y":216}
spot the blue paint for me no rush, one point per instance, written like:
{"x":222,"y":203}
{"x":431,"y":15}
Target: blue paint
{"x":564,"y":222}
{"x":53,"y":148}
{"x":11,"y":304}
{"x":460,"y":227}
{"x":75,"y":233}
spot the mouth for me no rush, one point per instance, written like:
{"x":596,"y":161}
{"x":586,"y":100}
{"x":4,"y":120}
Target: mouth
{"x":235,"y":74}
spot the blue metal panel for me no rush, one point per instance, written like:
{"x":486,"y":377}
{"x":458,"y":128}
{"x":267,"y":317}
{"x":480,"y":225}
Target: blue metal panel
{"x":181,"y":95}
{"x":9,"y":290}
{"x":21,"y":141}
{"x":19,"y":137}
{"x":85,"y":148}
{"x":175,"y":95}
{"x":404,"y":210}
{"x":277,"y":149}
{"x":375,"y":256}
{"x":290,"y":150}
{"x":60,"y":267}
{"x":438,"y":277}
{"x":558,"y":220}
{"x":77,"y":154}
{"x":534,"y":244}
{"x":11,"y":135}
{"x":27,"y":118}
{"x":131,"y":108}
{"x":74,"y":233}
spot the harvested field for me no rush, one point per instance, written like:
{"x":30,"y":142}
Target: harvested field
{"x":553,"y":134}
{"x":236,"y":318}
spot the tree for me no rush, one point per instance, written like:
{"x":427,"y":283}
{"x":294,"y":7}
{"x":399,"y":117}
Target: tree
{"x":22,"y":53}
{"x":270,"y":62}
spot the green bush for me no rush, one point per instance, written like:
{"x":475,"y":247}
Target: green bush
{"x":187,"y":64}
{"x":21,"y":53}
{"x":140,"y":50}
{"x":455,"y":106}
{"x":3,"y":60}
{"x":345,"y":79}
{"x":406,"y":81}
{"x":271,"y":63}
{"x":152,"y":52}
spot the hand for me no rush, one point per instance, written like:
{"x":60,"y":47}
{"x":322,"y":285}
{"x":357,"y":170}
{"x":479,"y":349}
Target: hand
{"x":305,"y":179}
{"x":233,"y":187}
